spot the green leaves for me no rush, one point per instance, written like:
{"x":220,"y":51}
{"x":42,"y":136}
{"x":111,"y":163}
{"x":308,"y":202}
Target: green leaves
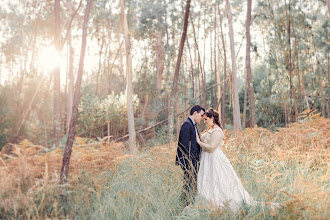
{"x":95,"y":112}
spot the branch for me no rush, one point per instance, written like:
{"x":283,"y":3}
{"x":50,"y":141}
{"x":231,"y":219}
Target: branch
{"x":213,"y":86}
{"x":115,"y":57}
{"x":69,"y":27}
{"x":162,"y":122}
{"x":145,"y":129}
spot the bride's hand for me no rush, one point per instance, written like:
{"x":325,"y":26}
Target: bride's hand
{"x":197,"y":138}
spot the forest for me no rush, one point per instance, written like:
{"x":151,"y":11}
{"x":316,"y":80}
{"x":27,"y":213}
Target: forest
{"x":93,"y":94}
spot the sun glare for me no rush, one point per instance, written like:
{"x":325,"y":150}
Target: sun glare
{"x":49,"y":58}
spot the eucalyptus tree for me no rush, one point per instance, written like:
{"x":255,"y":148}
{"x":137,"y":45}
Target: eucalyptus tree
{"x":236,"y":107}
{"x":69,"y":72}
{"x":248,"y":66}
{"x":129,"y":70}
{"x":57,"y":87}
{"x":177,"y":69}
{"x":72,"y":128}
{"x":225,"y":82}
{"x":152,"y":28}
{"x":296,"y":34}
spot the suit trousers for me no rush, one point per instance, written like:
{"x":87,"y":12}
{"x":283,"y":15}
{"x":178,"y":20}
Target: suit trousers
{"x":189,"y":187}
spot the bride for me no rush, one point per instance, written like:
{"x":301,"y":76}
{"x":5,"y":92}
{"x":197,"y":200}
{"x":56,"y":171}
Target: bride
{"x":217,"y":181}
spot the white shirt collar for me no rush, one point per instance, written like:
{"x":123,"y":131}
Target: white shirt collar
{"x":192,"y":120}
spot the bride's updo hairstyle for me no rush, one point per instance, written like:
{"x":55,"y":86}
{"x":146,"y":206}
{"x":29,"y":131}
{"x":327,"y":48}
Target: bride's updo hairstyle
{"x":213,"y":113}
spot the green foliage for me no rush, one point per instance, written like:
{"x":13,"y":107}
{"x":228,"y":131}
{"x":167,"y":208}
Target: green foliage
{"x":15,"y":105}
{"x":156,"y":25}
{"x":95,"y":113}
{"x":152,"y":18}
{"x":269,"y":98}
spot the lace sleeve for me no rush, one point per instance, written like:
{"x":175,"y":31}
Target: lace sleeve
{"x":214,"y":141}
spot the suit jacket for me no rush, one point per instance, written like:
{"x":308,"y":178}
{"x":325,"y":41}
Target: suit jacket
{"x":188,"y":151}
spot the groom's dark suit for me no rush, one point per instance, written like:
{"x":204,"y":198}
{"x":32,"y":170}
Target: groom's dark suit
{"x":187,"y":157}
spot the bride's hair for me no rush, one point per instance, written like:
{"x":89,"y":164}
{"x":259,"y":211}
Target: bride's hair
{"x":213,"y":113}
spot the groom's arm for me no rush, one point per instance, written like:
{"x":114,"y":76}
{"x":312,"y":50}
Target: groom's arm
{"x":185,"y":137}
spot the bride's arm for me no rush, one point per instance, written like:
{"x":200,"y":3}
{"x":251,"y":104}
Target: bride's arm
{"x":215,"y":139}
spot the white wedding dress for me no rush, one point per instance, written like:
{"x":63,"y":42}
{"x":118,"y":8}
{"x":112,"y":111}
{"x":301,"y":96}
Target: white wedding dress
{"x":217,"y":180}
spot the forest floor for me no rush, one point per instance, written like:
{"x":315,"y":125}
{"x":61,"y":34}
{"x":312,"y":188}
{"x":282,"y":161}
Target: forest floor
{"x":289,"y":166}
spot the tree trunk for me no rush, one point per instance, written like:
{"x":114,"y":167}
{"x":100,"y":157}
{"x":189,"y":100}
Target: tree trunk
{"x":129,"y":86}
{"x":223,"y":110}
{"x":72,"y":128}
{"x":216,"y":61}
{"x":177,"y":70}
{"x":236,"y":109}
{"x":110,"y":89}
{"x":121,"y":68}
{"x":214,"y":58}
{"x":203,"y":65}
{"x":245,"y":104}
{"x":248,"y":68}
{"x":322,"y":97}
{"x":289,"y":61}
{"x":177,"y":110}
{"x":202,"y":72}
{"x":160,"y":61}
{"x":327,"y":103}
{"x":99,"y":68}
{"x":286,"y":115}
{"x":57,"y":87}
{"x":192,"y":71}
{"x":70,"y":75}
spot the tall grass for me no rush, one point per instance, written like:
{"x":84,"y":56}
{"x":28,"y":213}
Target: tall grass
{"x":289,"y":167}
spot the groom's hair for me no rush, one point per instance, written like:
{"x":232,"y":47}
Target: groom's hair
{"x":196,"y":108}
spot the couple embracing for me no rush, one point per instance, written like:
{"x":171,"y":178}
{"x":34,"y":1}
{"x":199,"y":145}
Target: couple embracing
{"x":207,"y":170}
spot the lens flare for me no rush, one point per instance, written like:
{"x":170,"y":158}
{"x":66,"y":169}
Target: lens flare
{"x":49,"y":58}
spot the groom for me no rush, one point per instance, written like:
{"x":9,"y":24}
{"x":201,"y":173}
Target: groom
{"x":188,"y":153}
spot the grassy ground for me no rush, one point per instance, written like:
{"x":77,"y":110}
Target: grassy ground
{"x":290,"y":167}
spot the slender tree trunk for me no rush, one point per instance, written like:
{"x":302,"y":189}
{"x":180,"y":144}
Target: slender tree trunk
{"x":177,"y":70}
{"x":160,"y":61}
{"x":328,"y":4}
{"x":192,"y":71}
{"x":217,"y":59}
{"x":72,"y":129}
{"x":177,"y":110}
{"x":322,"y":97}
{"x":248,"y":67}
{"x":130,"y":113}
{"x":110,"y":89}
{"x":301,"y":81}
{"x":202,"y":72}
{"x":236,"y":109}
{"x":108,"y":129}
{"x":121,"y":67}
{"x":203,"y":65}
{"x":99,"y":69}
{"x":245,"y":104}
{"x":216,"y":80}
{"x":223,"y":110}
{"x":70,"y":73}
{"x":57,"y":87}
{"x":286,"y":114}
{"x":291,"y":110}
{"x":327,"y":102}
{"x":22,"y":73}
